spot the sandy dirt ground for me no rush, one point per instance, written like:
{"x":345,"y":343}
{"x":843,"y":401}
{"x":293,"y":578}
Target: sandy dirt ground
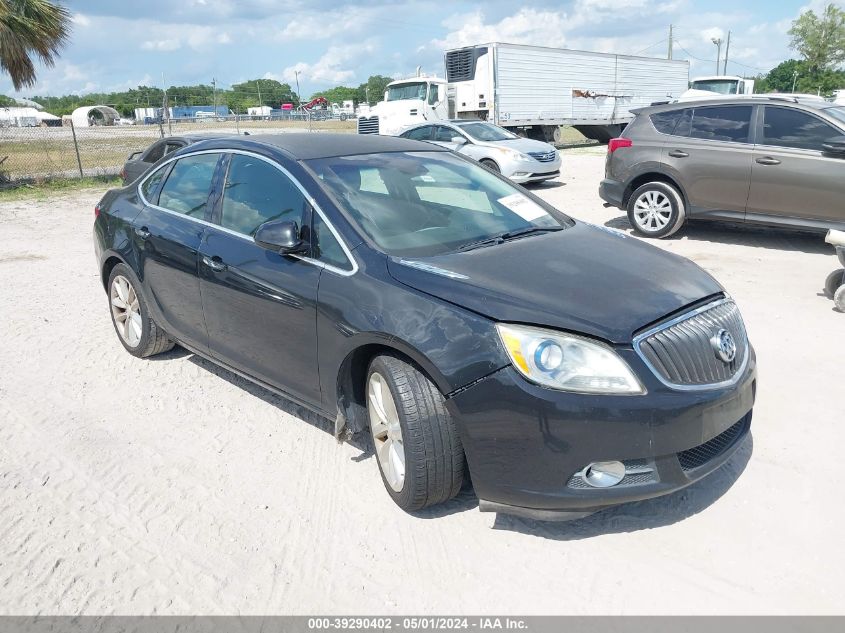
{"x":171,"y":486}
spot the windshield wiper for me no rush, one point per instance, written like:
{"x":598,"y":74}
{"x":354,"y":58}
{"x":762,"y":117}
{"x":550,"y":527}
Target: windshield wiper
{"x":509,"y":235}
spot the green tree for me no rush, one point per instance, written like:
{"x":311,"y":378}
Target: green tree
{"x":30,"y":29}
{"x":796,"y":76}
{"x":820,"y":40}
{"x":373,"y":91}
{"x":338,"y":94}
{"x":265,"y":92}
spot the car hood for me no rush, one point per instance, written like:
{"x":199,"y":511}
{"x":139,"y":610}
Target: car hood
{"x":524,"y":145}
{"x":583,"y":279}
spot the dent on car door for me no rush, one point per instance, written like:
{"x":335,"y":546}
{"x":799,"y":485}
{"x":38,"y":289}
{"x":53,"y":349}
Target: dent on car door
{"x":711,"y":152}
{"x":792,"y":177}
{"x":168,"y":233}
{"x":259,"y":305}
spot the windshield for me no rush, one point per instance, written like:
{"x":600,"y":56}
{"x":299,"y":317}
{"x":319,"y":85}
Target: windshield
{"x":722,"y":86}
{"x":419,"y":204}
{"x":406,"y":91}
{"x":837,"y":112}
{"x":486,"y":131}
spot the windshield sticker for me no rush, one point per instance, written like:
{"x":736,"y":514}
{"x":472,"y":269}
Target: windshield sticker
{"x":525,"y":208}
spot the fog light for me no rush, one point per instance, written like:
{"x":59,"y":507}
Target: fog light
{"x":604,"y":474}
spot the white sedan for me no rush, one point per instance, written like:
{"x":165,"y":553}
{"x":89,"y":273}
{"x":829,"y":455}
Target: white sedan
{"x":520,"y":159}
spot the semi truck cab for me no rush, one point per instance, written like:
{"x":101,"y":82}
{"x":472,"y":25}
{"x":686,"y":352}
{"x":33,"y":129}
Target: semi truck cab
{"x":407,"y":102}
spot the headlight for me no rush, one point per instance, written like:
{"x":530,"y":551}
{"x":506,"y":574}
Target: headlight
{"x":512,"y":153}
{"x":567,"y":362}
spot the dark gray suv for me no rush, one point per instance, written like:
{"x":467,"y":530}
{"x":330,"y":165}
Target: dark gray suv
{"x":771,"y":160}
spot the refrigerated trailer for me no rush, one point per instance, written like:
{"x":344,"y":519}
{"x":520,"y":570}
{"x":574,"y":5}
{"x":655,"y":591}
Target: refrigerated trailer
{"x":533,"y":90}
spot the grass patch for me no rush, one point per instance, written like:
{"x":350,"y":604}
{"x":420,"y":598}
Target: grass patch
{"x":44,"y":189}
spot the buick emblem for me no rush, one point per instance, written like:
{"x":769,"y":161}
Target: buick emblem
{"x":724,"y":345}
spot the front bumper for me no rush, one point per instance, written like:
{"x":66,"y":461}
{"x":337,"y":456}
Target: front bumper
{"x":527,"y":445}
{"x":523,"y":171}
{"x":612,"y":192}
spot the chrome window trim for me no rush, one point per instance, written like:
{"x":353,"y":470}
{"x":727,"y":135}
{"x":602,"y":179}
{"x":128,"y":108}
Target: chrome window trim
{"x":639,"y":338}
{"x":308,"y":198}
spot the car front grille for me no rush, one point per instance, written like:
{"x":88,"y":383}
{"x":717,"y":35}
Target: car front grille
{"x":693,"y":458}
{"x":368,"y":125}
{"x":543,"y":157}
{"x":684,"y":353}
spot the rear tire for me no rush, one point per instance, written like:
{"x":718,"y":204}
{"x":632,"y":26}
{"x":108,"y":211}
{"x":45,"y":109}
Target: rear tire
{"x":839,"y":298}
{"x":135,"y":328}
{"x":491,"y":165}
{"x":408,"y":415}
{"x":656,"y":209}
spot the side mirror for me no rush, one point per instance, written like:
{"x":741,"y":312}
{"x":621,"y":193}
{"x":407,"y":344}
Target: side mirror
{"x":281,"y":236}
{"x":458,"y":140}
{"x":835,"y":145}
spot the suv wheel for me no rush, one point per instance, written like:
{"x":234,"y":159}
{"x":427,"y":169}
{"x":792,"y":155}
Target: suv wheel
{"x":656,"y":209}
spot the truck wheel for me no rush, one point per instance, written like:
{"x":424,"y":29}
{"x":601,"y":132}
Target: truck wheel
{"x":839,"y":298}
{"x":137,"y":331}
{"x":418,"y":450}
{"x":491,"y":165}
{"x":656,"y":209}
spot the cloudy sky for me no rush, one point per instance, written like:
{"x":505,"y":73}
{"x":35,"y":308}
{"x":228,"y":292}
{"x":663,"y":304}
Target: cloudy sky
{"x":118,"y":45}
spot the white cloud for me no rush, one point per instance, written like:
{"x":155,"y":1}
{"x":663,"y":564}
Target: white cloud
{"x":527,"y":26}
{"x":81,"y":20}
{"x":161,"y":45}
{"x":334,"y":66}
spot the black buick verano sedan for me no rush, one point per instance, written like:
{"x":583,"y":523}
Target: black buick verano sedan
{"x":395,"y":286}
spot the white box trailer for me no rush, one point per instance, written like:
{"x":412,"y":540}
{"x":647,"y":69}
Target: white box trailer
{"x":537,"y":89}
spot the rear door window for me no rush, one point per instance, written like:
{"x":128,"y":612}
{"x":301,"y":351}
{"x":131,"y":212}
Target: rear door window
{"x":785,"y":127}
{"x":188,"y":185}
{"x":419,"y":134}
{"x":721,"y":123}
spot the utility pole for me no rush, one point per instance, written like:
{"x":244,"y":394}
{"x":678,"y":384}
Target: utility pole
{"x":298,"y":95}
{"x":718,"y":42}
{"x":214,"y":94}
{"x":727,"y":51}
{"x":260,"y":104}
{"x":669,"y":56}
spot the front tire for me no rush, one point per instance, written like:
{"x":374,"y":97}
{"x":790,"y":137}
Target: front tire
{"x":656,"y":209}
{"x":418,"y":450}
{"x":491,"y":165}
{"x":136,"y":330}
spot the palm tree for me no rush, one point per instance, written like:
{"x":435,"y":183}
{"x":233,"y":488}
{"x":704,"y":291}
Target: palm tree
{"x":28,"y":29}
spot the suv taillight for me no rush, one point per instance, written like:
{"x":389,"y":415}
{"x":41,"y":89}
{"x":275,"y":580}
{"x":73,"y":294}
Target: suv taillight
{"x":617,"y":143}
{"x":97,"y":210}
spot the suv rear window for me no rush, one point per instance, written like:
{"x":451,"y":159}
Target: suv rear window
{"x":721,"y":123}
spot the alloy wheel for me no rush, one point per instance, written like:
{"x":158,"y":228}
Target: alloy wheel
{"x":126,"y":311}
{"x":387,"y":431}
{"x":653,"y":211}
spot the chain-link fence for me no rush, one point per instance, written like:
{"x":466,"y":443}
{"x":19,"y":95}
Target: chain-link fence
{"x":30,"y":154}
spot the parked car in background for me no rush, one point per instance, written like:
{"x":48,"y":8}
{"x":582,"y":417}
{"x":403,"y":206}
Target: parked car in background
{"x":521,"y":159}
{"x":139,"y":162}
{"x":401,"y":289}
{"x":768,"y":160}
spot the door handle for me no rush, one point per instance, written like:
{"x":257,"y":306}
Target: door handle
{"x":768,"y":160}
{"x":214,"y":263}
{"x":676,"y":153}
{"x":143,"y":232}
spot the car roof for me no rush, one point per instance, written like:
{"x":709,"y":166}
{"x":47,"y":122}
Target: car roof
{"x":809,"y":104}
{"x":306,"y":146}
